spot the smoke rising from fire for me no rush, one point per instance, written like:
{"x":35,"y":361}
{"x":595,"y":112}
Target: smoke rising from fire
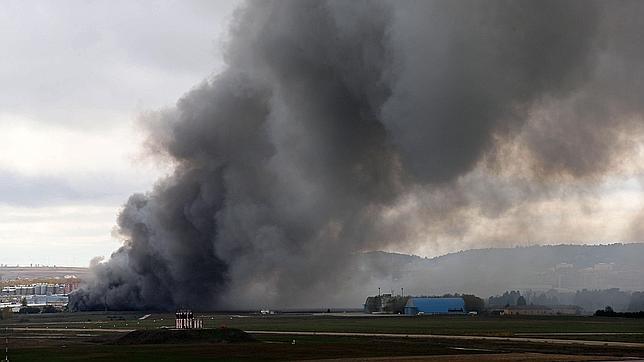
{"x":341,"y":127}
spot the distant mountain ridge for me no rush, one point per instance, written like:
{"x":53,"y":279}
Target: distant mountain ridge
{"x":27,"y":272}
{"x":490,"y":271}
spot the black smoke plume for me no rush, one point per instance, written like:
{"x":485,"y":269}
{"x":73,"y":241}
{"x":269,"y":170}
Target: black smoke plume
{"x":333,"y":117}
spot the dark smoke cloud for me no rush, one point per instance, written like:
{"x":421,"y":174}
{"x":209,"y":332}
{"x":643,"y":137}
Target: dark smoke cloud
{"x":336,"y":121}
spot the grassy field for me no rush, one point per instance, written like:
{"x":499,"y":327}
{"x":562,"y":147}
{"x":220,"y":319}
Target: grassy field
{"x":71,"y":347}
{"x":96,"y":343}
{"x":446,"y":325}
{"x":275,"y":348}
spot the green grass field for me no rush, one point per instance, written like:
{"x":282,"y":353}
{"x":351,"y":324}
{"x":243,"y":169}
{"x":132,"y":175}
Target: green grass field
{"x":447,"y":325}
{"x":280,"y":348}
{"x":276,"y":348}
{"x":84,"y":336}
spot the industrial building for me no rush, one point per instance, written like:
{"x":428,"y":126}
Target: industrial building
{"x":542,"y":310}
{"x":385,"y":303}
{"x":38,"y":295}
{"x":433,"y":305}
{"x":40,"y":289}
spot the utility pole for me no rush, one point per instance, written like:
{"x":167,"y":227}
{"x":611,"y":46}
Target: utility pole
{"x":6,"y":344}
{"x":402,"y":292}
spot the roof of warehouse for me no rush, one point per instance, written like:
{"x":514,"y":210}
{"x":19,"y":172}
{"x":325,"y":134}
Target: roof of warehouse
{"x":436,"y":304}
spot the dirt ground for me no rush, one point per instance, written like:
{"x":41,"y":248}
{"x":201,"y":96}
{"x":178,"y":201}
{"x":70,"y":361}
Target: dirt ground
{"x":515,"y":357}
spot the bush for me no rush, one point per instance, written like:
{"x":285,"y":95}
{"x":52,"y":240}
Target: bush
{"x":609,"y":312}
{"x":49,"y":309}
{"x":6,"y":313}
{"x":29,"y":310}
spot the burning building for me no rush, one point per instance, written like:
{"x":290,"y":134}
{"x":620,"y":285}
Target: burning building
{"x":337,"y":127}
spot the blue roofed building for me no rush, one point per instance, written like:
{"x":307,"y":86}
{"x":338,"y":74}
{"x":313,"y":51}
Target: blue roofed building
{"x":428,"y":305}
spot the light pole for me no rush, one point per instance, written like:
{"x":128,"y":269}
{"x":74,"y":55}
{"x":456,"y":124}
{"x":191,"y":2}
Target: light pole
{"x":6,"y":346}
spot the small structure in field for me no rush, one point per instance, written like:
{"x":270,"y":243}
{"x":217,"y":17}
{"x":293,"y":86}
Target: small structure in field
{"x":185,"y":320}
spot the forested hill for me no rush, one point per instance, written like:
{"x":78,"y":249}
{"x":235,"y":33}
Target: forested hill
{"x":490,"y":271}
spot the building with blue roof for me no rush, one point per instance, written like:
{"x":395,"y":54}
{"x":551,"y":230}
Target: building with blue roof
{"x":429,"y":305}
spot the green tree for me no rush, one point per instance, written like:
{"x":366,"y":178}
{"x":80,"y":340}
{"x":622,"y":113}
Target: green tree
{"x":372,"y":304}
{"x":473,"y":303}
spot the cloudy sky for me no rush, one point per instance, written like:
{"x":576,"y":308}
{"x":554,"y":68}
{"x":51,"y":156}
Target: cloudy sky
{"x":76,"y":76}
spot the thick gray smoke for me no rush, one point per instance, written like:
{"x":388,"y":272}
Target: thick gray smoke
{"x":332,"y":117}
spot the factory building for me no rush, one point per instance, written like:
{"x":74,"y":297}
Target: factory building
{"x":430,"y":305}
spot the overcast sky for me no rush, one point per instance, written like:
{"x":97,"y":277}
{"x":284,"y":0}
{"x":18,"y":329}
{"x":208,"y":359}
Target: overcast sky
{"x":76,"y":76}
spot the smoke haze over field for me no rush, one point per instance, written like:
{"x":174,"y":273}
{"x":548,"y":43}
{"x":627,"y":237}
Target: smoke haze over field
{"x":342,"y":127}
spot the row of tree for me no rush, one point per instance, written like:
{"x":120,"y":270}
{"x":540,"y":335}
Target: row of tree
{"x":386,"y":304}
{"x":587,"y":299}
{"x":472,"y":302}
{"x":609,"y":312}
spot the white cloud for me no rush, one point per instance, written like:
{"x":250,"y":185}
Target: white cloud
{"x":32,"y":148}
{"x":64,"y":60}
{"x":56,"y":235}
{"x":75,"y":76}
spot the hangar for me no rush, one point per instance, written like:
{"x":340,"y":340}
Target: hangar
{"x":429,"y":305}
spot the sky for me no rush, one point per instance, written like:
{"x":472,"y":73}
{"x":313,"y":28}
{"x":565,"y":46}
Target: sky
{"x":76,"y":78}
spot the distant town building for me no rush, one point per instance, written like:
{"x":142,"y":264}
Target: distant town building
{"x":603,"y":267}
{"x":564,"y":266}
{"x":431,"y":305}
